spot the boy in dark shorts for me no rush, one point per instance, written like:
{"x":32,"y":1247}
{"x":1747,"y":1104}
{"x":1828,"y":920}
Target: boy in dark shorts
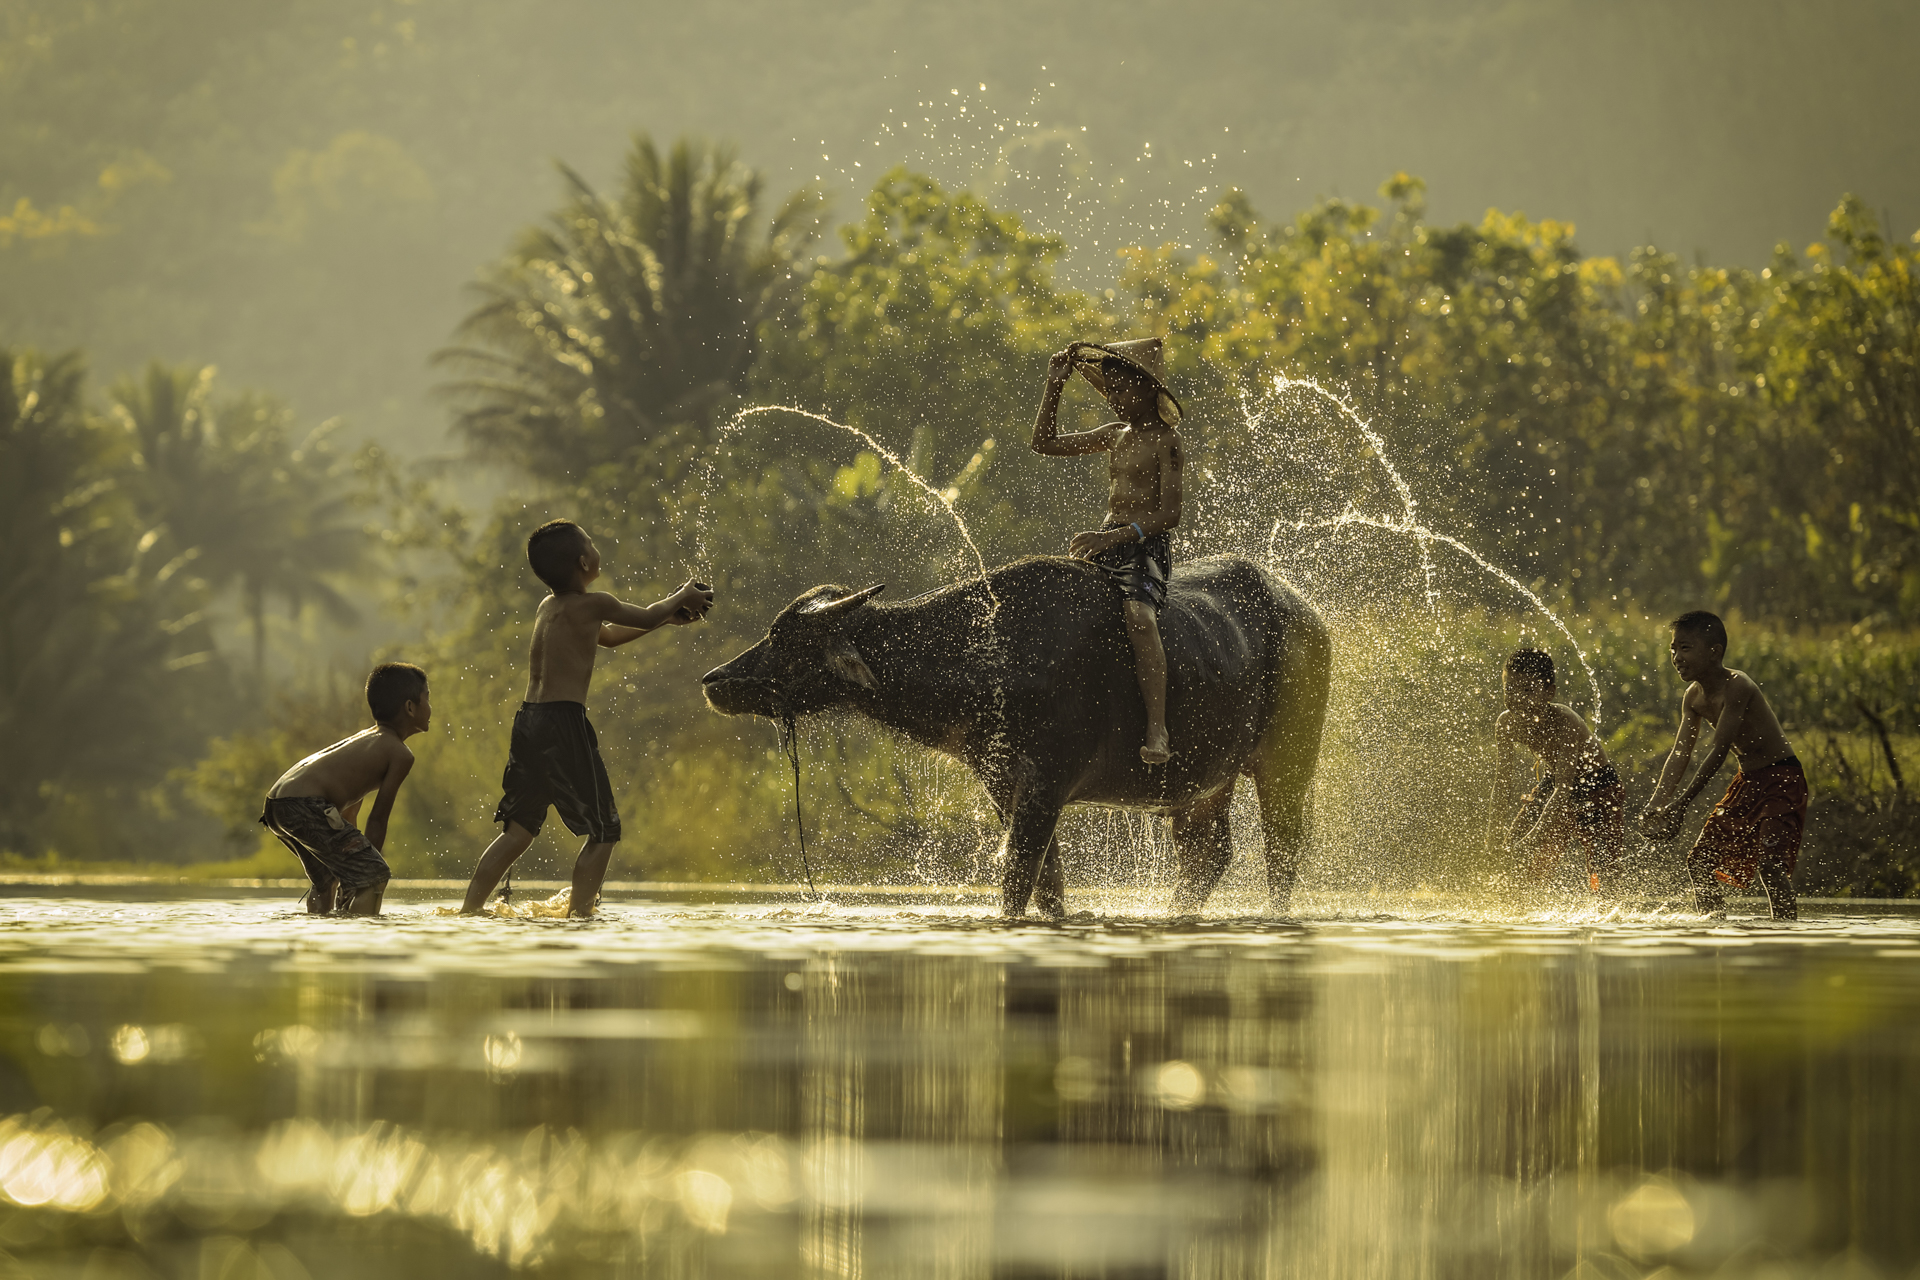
{"x":1579,"y":795}
{"x":1755,"y":830}
{"x":312,"y":807}
{"x":554,"y":759}
{"x":1144,"y":467}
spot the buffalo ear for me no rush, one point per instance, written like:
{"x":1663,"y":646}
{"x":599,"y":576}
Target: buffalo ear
{"x":845,"y":661}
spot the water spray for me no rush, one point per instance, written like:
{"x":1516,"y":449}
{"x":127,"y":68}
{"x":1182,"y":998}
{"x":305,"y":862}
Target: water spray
{"x":1409,"y":525}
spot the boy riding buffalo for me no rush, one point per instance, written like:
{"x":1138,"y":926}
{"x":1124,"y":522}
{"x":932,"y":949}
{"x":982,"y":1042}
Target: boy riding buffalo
{"x":1144,"y":468}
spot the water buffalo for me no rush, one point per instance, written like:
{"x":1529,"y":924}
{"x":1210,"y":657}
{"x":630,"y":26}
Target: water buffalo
{"x":1027,"y":678}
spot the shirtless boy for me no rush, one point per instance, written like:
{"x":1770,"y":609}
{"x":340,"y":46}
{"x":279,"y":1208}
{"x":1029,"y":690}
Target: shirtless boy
{"x":1143,"y":503}
{"x":554,"y":757}
{"x":1579,"y":794}
{"x":1757,"y":826}
{"x":313,"y":805}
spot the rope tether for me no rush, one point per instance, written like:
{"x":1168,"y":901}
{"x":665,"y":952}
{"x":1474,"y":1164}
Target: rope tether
{"x":790,"y":733}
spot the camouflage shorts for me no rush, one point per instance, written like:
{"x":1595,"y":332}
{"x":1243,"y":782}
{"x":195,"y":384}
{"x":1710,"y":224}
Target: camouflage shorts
{"x":328,"y":846}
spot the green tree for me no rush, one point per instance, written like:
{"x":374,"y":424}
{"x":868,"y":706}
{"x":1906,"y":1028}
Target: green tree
{"x":932,"y":334}
{"x":241,"y":494}
{"x":606,"y":333}
{"x":106,"y":669}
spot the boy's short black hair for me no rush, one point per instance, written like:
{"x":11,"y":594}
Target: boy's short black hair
{"x":554,"y":551}
{"x":1532,"y":664}
{"x":1705,"y":625}
{"x":391,"y":687}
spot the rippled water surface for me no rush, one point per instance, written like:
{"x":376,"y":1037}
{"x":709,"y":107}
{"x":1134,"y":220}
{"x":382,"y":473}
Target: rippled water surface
{"x":227,"y":1090}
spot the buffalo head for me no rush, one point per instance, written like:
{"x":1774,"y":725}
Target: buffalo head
{"x":805,"y":664}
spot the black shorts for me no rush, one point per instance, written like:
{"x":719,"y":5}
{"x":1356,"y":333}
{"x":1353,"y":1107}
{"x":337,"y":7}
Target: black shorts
{"x":554,"y":760}
{"x":328,"y":846}
{"x":1140,"y":569}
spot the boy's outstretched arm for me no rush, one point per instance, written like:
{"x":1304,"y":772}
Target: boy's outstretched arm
{"x":1658,"y":813}
{"x":1046,"y":428}
{"x":621,"y":622}
{"x":398,"y":767}
{"x":1502,"y":797}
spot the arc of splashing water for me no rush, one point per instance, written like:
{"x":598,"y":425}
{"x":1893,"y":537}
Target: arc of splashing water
{"x":966,"y":535}
{"x":1422,"y":535}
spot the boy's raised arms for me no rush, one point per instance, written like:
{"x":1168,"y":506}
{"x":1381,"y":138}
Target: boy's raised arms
{"x":1046,"y":437}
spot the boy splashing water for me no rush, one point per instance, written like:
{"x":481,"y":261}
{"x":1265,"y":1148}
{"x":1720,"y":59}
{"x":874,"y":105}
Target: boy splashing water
{"x":1756,"y":828}
{"x":554,"y":760}
{"x":1579,"y":795}
{"x":1144,"y":467}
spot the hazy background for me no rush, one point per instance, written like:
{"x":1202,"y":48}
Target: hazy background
{"x":297,"y":191}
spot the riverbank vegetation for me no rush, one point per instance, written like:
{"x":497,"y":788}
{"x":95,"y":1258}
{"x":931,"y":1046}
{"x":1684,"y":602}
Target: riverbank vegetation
{"x":1629,"y":437}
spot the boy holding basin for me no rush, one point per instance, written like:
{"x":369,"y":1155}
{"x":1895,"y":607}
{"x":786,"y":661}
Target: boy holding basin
{"x":1756,"y":828}
{"x":312,"y":807}
{"x":554,"y":758}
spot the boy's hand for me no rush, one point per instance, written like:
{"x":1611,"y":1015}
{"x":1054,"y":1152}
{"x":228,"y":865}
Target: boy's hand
{"x":1060,"y":364}
{"x":1662,"y":823}
{"x":695,"y":598}
{"x":1092,"y":542}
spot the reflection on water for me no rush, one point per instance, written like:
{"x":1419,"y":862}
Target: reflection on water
{"x":233,"y":1090}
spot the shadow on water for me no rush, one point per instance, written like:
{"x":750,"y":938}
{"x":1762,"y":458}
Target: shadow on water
{"x":228,"y":1089}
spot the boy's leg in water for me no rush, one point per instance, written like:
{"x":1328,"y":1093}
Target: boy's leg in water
{"x":320,"y":898}
{"x":589,"y":872}
{"x":366,"y":902}
{"x":1150,"y":667}
{"x":506,"y":847}
{"x":1777,"y":880}
{"x":1708,"y":897}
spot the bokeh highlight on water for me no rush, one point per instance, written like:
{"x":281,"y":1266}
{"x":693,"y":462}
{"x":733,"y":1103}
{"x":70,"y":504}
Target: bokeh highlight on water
{"x":778,"y":1090}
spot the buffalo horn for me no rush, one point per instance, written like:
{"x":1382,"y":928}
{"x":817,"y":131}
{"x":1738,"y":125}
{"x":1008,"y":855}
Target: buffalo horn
{"x":853,"y":601}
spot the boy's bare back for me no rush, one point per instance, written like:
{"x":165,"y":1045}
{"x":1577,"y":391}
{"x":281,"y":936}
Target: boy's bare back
{"x":568,"y":635}
{"x":344,"y":773}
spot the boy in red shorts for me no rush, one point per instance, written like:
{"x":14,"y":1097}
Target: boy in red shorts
{"x":1579,"y":796}
{"x":1756,"y":828}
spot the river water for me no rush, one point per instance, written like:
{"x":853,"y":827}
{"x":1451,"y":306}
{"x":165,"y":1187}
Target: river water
{"x":227,"y":1090}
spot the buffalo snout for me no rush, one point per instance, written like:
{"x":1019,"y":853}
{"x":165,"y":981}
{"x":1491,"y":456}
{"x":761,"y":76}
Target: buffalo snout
{"x":736,"y":689}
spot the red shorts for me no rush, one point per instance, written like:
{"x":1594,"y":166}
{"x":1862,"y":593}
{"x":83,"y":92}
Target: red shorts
{"x":1760,"y":819}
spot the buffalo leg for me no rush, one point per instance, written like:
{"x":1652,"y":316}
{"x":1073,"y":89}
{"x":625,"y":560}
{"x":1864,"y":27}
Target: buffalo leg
{"x":1203,"y":842}
{"x":1029,"y":840}
{"x":1050,"y":891}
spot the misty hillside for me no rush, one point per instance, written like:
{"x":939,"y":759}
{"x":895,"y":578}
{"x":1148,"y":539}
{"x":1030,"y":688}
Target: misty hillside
{"x":298,"y":191}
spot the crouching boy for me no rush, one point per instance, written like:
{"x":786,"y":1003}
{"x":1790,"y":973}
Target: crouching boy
{"x":1756,"y":828}
{"x":1579,"y":795}
{"x":312,"y":807}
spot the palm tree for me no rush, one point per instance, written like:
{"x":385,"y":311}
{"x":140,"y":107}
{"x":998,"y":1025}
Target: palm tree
{"x":623,"y":321}
{"x":101,"y":658}
{"x":246,"y":503}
